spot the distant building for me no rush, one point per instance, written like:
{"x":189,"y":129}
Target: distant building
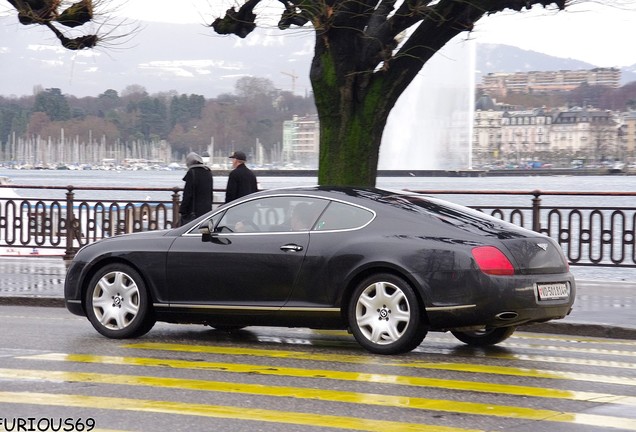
{"x":301,"y":141}
{"x":500,"y":84}
{"x":503,"y":134}
{"x":486,"y":131}
{"x":525,"y":133}
{"x":589,"y":131}
{"x":627,"y":134}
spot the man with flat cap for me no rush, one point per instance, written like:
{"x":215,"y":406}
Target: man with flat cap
{"x":242,"y":180}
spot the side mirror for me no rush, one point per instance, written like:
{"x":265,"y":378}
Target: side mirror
{"x":206,"y":231}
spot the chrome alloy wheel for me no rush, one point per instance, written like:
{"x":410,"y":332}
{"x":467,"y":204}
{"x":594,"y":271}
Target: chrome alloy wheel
{"x":382,"y":313}
{"x":115,"y":300}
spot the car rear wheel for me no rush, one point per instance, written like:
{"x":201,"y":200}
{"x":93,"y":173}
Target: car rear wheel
{"x":385,"y":316}
{"x":117,"y":303}
{"x":484,"y":337}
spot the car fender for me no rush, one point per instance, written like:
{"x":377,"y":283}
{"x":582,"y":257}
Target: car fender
{"x":133,"y":253}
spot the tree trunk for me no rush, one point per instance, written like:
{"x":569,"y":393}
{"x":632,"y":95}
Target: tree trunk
{"x":353,"y":114}
{"x":355,"y":92}
{"x":349,"y":142}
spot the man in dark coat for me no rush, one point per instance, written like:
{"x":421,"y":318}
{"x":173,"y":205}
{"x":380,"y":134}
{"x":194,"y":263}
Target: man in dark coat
{"x":197,"y":192}
{"x":242,"y":180}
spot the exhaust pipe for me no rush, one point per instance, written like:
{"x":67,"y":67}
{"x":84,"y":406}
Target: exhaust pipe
{"x":506,"y":316}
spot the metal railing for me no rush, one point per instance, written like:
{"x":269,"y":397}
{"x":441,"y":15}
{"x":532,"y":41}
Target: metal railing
{"x":590,"y":235}
{"x":43,"y":225}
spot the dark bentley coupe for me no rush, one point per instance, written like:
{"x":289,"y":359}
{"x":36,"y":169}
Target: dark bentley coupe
{"x":389,"y":266}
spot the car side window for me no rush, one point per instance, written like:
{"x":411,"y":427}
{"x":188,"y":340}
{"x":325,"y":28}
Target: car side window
{"x":304,"y":212}
{"x":272,"y":214}
{"x":339,"y":216}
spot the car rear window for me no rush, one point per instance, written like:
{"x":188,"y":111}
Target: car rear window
{"x":453,"y":214}
{"x":339,"y":216}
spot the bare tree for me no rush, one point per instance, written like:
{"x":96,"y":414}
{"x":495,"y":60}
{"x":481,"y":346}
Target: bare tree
{"x":366,"y":54}
{"x":58,"y":16}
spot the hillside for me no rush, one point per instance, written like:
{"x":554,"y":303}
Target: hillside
{"x":193,"y":59}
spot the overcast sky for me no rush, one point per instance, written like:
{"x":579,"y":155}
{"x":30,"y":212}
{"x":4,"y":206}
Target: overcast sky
{"x":589,"y":31}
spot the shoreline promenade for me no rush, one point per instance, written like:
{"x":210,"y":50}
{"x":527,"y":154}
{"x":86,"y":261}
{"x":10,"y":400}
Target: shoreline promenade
{"x":602,"y":308}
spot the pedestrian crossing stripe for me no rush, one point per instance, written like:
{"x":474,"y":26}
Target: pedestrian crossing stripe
{"x":534,"y":358}
{"x":602,"y":401}
{"x":219,"y":411}
{"x":526,"y":333}
{"x":377,"y":378}
{"x":369,"y":360}
{"x":559,"y":348}
{"x":385,"y":400}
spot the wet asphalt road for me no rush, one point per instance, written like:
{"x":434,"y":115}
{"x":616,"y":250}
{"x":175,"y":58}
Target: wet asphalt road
{"x":54,"y":366}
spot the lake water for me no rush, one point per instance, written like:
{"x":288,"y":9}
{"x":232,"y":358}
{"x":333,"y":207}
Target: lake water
{"x":173,"y":178}
{"x":170,"y":179}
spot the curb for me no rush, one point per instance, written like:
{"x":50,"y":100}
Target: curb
{"x":607,"y":331}
{"x":32,"y":301}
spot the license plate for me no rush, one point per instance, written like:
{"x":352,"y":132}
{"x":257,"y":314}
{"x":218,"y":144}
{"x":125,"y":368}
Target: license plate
{"x":553,"y":291}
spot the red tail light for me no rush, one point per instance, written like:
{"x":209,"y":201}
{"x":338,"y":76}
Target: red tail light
{"x":492,"y":261}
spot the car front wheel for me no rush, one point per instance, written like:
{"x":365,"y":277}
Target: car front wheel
{"x":385,"y":316}
{"x":480,"y":338}
{"x":117,"y":303}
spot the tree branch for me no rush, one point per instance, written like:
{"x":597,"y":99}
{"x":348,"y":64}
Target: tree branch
{"x":46,"y":13}
{"x":293,"y":15}
{"x":439,"y":24}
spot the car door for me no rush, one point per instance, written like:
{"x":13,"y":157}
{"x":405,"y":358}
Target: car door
{"x":252,"y":258}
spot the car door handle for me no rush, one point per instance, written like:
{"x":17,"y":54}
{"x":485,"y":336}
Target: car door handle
{"x":291,"y":247}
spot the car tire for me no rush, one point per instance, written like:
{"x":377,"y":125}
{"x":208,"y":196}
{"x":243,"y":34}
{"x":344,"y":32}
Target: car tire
{"x":480,"y":338}
{"x":385,"y":315}
{"x":117,"y":302}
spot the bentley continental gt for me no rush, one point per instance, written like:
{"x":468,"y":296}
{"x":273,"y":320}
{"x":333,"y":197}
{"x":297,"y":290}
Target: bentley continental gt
{"x":388,"y":266}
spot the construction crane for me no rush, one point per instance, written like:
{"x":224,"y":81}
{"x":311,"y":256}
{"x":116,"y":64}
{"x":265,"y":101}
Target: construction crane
{"x":293,"y":77}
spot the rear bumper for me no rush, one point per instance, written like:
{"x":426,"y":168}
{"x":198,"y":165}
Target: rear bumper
{"x":502,"y":301}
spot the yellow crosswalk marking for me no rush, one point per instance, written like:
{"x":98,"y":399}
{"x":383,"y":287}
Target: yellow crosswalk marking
{"x":523,"y":334}
{"x":597,"y":410}
{"x":385,"y":400}
{"x":218,"y":411}
{"x":537,"y":358}
{"x":578,"y":350}
{"x":378,"y":378}
{"x":370,"y":360}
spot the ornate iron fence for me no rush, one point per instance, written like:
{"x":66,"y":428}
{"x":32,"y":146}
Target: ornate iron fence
{"x":44,"y":226}
{"x":590,"y":235}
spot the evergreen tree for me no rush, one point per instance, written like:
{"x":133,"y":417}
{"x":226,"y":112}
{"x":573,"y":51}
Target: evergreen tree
{"x":53,"y":103}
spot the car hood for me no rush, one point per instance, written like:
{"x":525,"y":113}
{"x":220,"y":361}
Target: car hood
{"x":141,"y":235}
{"x":118,"y":238}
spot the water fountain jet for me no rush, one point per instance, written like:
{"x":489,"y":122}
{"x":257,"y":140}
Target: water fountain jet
{"x":430,"y":127}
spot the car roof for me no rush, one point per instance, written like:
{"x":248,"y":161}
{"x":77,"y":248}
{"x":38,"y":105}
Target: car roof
{"x":332,"y":191}
{"x":370,"y":197}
